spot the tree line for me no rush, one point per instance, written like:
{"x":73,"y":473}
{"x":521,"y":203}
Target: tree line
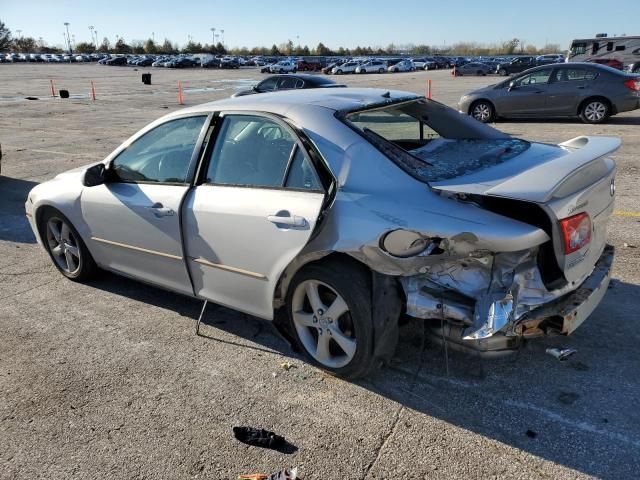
{"x":509,"y":47}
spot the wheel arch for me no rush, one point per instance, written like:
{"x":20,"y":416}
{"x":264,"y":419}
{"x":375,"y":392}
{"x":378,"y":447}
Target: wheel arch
{"x":478,"y":100}
{"x":388,"y":300}
{"x":596,"y":97}
{"x":305,"y":260}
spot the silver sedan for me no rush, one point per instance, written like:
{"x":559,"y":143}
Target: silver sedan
{"x":335,"y":212}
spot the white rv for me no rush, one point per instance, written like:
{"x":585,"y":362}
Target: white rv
{"x":618,"y":52}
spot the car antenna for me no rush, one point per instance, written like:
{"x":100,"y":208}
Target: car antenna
{"x":386,"y":95}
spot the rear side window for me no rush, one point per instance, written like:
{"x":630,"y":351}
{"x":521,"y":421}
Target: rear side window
{"x":574,"y":74}
{"x":302,"y":175}
{"x":287,"y":83}
{"x":256,"y":151}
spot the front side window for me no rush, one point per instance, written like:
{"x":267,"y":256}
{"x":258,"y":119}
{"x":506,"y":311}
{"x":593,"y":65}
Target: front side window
{"x":259,"y":152}
{"x":541,"y":77}
{"x":267,"y":85}
{"x":161,"y":155}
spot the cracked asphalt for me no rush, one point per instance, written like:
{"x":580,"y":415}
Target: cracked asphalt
{"x":109,"y":380}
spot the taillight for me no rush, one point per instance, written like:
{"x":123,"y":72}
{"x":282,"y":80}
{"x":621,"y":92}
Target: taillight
{"x":576,"y":232}
{"x":633,"y":84}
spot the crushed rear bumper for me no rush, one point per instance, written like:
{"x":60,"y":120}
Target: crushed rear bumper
{"x":560,"y":316}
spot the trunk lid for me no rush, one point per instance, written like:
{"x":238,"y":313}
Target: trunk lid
{"x":564,"y":180}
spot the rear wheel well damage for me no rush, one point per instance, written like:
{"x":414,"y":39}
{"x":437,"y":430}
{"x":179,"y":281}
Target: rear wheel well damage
{"x":387,"y":300}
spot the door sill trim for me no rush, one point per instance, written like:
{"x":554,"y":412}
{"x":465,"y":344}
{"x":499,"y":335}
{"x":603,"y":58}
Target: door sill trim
{"x":227,"y":268}
{"x":137,"y":249}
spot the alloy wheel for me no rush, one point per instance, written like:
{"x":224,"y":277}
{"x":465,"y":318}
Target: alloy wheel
{"x":481,"y":112}
{"x":323,"y":322}
{"x":595,"y":111}
{"x":64,"y":245}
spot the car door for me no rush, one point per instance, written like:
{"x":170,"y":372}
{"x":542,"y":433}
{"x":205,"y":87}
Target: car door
{"x":253,"y":210}
{"x":527,"y":96}
{"x":567,"y":88}
{"x":134,"y":218}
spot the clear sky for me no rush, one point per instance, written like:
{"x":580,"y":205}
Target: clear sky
{"x":336,"y":23}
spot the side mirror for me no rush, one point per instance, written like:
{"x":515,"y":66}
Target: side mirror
{"x":94,"y":176}
{"x":512,"y":86}
{"x":255,"y":88}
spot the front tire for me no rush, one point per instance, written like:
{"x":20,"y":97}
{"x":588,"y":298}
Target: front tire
{"x":502,"y":72}
{"x":482,"y":111}
{"x":595,"y":110}
{"x":66,"y":248}
{"x":329,"y":311}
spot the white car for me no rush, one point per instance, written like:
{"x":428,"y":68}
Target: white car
{"x":403,"y":66}
{"x":348,"y":67}
{"x":372,"y":66}
{"x":284,"y":66}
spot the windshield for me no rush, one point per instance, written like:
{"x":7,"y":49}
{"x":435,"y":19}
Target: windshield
{"x":432,"y":142}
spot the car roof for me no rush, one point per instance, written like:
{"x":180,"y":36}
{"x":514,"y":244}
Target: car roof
{"x":280,"y":102}
{"x":314,"y":79}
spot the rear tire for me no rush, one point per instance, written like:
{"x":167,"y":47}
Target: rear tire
{"x":381,"y":70}
{"x":502,"y":72}
{"x":595,"y":111}
{"x":329,"y":310}
{"x":483,"y":111}
{"x":65,"y":246}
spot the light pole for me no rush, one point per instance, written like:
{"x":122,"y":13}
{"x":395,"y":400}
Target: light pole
{"x":66,"y":24}
{"x":153,"y":37}
{"x":213,"y":36}
{"x":222,"y":31}
{"x":96,"y":32}
{"x":19,"y":34}
{"x":91,"y":30}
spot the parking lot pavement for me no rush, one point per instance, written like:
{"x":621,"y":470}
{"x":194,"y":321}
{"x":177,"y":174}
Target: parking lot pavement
{"x":108,"y":380}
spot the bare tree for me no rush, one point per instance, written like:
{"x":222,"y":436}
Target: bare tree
{"x":5,"y":37}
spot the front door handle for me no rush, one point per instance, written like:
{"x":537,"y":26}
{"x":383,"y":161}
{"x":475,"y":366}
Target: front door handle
{"x":161,"y":211}
{"x":290,"y":220}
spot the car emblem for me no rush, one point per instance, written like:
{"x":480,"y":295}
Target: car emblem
{"x":612,"y":187}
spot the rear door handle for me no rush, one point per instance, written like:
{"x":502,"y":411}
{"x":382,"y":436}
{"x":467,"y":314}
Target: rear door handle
{"x":161,"y":211}
{"x":291,"y":220}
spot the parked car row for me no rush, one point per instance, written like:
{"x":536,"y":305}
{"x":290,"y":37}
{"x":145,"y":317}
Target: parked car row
{"x":49,"y":57}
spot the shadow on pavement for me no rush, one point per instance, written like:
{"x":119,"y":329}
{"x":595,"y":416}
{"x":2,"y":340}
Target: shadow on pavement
{"x":14,"y":226}
{"x":581,"y":413}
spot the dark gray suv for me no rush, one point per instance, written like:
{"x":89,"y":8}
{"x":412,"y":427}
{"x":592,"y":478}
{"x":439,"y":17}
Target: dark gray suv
{"x":591,"y":91}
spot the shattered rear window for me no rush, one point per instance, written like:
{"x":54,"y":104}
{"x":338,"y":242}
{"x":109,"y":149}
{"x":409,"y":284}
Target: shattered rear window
{"x":432,"y":142}
{"x":455,"y":158}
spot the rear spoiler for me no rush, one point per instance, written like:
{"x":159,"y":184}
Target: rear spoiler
{"x":582,"y":151}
